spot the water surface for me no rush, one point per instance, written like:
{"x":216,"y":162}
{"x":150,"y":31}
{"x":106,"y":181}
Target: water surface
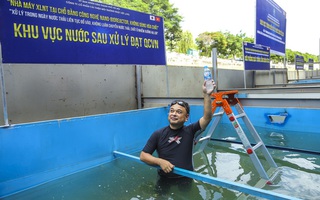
{"x":128,"y":180}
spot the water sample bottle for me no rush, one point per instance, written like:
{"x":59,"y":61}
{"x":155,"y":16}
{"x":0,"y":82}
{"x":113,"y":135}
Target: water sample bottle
{"x":208,"y":78}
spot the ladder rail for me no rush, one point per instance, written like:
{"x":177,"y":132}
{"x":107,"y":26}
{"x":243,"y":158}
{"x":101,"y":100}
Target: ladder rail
{"x":268,"y":157}
{"x":250,"y":150}
{"x":263,"y":174}
{"x":240,"y":132}
{"x":224,"y":100}
{"x":249,"y":125}
{"x":256,"y":136}
{"x":205,"y":139}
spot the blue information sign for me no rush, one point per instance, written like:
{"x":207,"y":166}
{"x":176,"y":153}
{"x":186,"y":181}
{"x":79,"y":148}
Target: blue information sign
{"x":299,"y":62}
{"x":310,"y":63}
{"x":80,"y":32}
{"x":256,"y":56}
{"x":271,"y":26}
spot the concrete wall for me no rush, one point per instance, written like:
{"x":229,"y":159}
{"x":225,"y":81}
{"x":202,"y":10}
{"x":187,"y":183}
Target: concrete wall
{"x":271,"y":77}
{"x":43,"y":92}
{"x":229,"y":79}
{"x":171,"y":81}
{"x":37,"y":92}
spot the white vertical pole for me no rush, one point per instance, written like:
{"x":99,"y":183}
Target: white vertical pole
{"x":3,"y":90}
{"x":244,"y":68}
{"x":138,"y":79}
{"x":215,"y":67}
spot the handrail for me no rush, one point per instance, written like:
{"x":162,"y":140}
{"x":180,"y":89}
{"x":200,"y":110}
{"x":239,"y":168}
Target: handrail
{"x":216,"y":181}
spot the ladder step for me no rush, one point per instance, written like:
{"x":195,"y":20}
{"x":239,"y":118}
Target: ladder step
{"x":259,"y":144}
{"x":218,"y":114}
{"x":205,"y":138}
{"x":240,"y":115}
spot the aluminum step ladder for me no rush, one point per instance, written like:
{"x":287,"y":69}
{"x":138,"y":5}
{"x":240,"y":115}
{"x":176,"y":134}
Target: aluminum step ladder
{"x":224,"y":100}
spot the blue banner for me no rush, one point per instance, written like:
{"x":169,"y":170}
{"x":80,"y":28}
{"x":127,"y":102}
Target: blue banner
{"x":299,"y":62}
{"x":271,"y":26}
{"x":310,"y":63}
{"x":78,"y":32}
{"x":256,"y":56}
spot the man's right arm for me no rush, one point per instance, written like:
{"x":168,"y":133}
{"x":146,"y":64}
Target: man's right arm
{"x":207,"y":114}
{"x":165,"y":165}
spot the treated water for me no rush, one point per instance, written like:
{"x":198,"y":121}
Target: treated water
{"x":125,"y":179}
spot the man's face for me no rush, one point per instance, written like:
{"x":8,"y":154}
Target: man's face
{"x":177,"y":115}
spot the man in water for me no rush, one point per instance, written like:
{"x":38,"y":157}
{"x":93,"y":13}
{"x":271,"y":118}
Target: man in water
{"x":174,"y":143}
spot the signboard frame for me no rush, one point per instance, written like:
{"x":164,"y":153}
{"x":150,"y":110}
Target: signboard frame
{"x":271,"y":26}
{"x":299,"y":62}
{"x":256,"y":56}
{"x":79,"y":32}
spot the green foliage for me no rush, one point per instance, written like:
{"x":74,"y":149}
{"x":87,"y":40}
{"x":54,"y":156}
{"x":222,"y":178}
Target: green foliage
{"x":230,"y":46}
{"x":276,"y":58}
{"x":227,"y":44}
{"x":162,"y":8}
{"x":208,"y":40}
{"x":290,"y":56}
{"x":185,"y":43}
{"x":234,"y":44}
{"x":137,"y":5}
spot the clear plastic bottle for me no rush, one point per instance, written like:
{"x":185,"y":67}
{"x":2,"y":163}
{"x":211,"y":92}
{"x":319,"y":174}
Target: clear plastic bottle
{"x":208,"y":78}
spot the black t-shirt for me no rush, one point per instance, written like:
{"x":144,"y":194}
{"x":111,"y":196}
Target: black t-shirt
{"x":174,"y":146}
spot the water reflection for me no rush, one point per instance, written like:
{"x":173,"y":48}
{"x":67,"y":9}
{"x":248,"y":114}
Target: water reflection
{"x":298,"y":184}
{"x":307,"y":163}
